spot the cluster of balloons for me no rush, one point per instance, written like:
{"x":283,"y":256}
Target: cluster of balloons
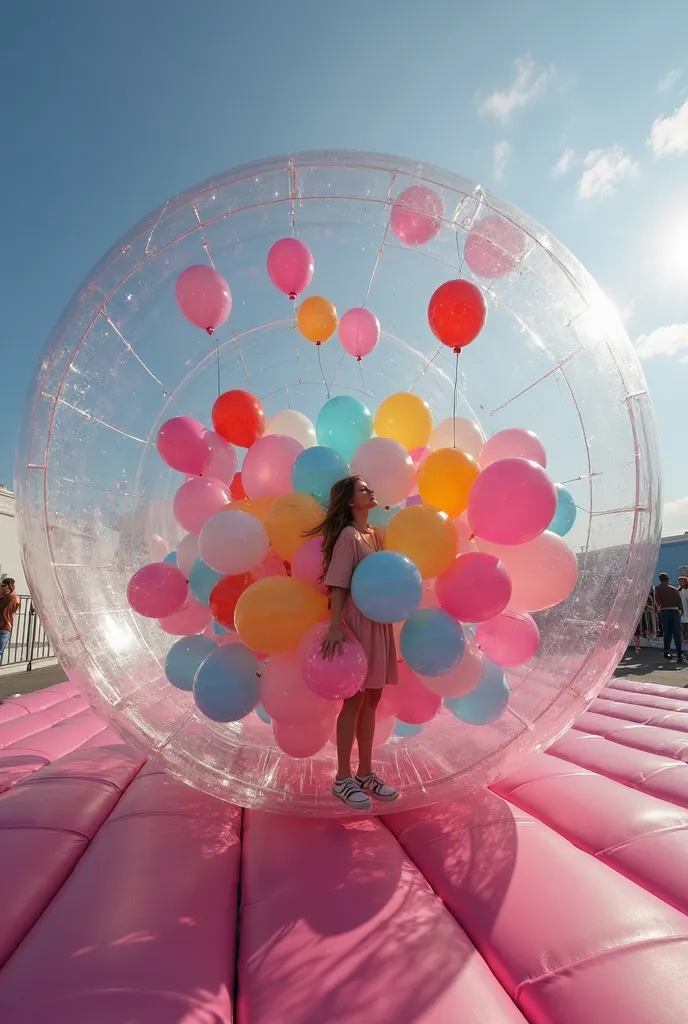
{"x":473,"y":545}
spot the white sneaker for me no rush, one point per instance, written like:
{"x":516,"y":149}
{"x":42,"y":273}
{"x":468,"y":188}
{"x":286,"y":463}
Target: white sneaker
{"x":374,"y":785}
{"x":349,"y":792}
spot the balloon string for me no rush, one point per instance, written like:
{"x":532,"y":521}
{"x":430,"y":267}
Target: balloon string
{"x":456,"y":388}
{"x":327,"y":387}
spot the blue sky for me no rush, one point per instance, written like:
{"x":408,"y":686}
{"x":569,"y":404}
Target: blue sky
{"x":576,"y":113}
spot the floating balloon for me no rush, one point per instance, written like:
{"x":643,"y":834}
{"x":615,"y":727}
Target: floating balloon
{"x":486,"y":702}
{"x":405,"y":418}
{"x":494,"y":247}
{"x":463,"y":678}
{"x":383,"y":731}
{"x":236,"y":488}
{"x":445,"y":479}
{"x":382,"y":516}
{"x":258,"y":507}
{"x":223,"y":462}
{"x":565,"y":514}
{"x":290,"y":266}
{"x":202,"y":579}
{"x":457,"y":313}
{"x":224,"y":597}
{"x":359,"y":332}
{"x":238,"y":416}
{"x":316,"y":319}
{"x":187,"y":553}
{"x":226,"y":687}
{"x":288,"y":521}
{"x":272,"y":565}
{"x":316,"y":470}
{"x":465,"y":535}
{"x":157,"y":547}
{"x":386,"y":587}
{"x":203,"y":297}
{"x":274,"y":613}
{"x":513,"y":443}
{"x":197,"y":500}
{"x":387,"y":467}
{"x":302,"y":740}
{"x":184,"y":659}
{"x":294,"y":424}
{"x":476,"y":587}
{"x":416,"y":704}
{"x":284,"y":694}
{"x":192,"y":617}
{"x":510,"y":639}
{"x":334,"y":678}
{"x":307,"y":563}
{"x":390,"y":702}
{"x":344,"y":423}
{"x":457,"y":432}
{"x":425,"y":535}
{"x":157,"y":590}
{"x":233,"y":542}
{"x":405,"y":731}
{"x":183,"y":444}
{"x":171,"y":559}
{"x":511,"y":502}
{"x":263,"y":715}
{"x":543,"y":572}
{"x":432,"y":642}
{"x":417,"y":215}
{"x":267,"y":467}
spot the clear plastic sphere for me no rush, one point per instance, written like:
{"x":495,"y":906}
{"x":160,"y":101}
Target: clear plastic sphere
{"x":96,"y":500}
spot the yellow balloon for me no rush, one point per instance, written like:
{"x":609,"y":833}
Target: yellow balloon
{"x":257,"y":507}
{"x":317,"y":319}
{"x":272,"y":615}
{"x":289,"y":517}
{"x":405,"y":418}
{"x":425,"y":535}
{"x":445,"y":478}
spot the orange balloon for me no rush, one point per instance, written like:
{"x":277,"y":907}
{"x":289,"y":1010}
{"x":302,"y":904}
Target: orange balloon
{"x":445,"y":478}
{"x":316,"y":319}
{"x":290,"y":517}
{"x":257,"y":507}
{"x":425,"y":535}
{"x":274,"y":613}
{"x":405,"y":418}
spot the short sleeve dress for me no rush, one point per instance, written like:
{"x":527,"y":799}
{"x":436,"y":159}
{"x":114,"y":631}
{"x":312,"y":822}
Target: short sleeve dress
{"x":376,"y":638}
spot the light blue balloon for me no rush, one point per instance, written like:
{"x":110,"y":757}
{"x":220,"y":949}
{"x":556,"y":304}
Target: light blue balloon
{"x":184,"y":658}
{"x":218,"y":630}
{"x":387,"y":587}
{"x":263,"y":715}
{"x":486,"y":702}
{"x":315,"y":470}
{"x":565,"y":513}
{"x":226,"y":686}
{"x":406,"y":730}
{"x":171,"y":559}
{"x":432,"y":642}
{"x":343,"y":424}
{"x":202,"y":579}
{"x":381,"y":516}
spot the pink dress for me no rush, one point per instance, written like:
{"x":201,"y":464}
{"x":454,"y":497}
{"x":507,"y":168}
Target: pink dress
{"x":376,"y":638}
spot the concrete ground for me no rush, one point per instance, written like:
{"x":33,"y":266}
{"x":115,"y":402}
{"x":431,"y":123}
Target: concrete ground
{"x":21,"y":681}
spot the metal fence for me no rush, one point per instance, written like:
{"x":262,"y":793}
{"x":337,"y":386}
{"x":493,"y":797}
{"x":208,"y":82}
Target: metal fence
{"x":28,"y":642}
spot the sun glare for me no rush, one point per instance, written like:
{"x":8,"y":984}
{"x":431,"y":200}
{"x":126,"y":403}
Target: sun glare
{"x":674,"y":250}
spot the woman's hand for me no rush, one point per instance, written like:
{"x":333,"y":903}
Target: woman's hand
{"x":333,"y":642}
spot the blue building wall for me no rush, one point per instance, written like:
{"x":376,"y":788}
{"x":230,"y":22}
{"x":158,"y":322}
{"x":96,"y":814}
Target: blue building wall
{"x":672,"y":555}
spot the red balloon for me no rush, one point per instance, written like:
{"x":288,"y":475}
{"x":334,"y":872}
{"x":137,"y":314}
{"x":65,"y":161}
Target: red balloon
{"x":238,"y":416}
{"x":457,"y":313}
{"x":224,"y":597}
{"x":236,"y":488}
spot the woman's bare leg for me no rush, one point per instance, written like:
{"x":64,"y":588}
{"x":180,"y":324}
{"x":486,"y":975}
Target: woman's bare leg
{"x":365,"y":731}
{"x":346,"y":730}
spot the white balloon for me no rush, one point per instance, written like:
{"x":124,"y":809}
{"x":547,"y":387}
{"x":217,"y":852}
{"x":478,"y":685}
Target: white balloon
{"x":224,"y":462}
{"x":469,"y":437}
{"x":387,"y":467}
{"x":233,"y":542}
{"x":292,"y":424}
{"x":187,"y":553}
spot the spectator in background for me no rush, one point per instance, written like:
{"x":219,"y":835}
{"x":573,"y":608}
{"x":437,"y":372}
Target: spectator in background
{"x":9,"y":606}
{"x":670,"y":607}
{"x":683,"y":594}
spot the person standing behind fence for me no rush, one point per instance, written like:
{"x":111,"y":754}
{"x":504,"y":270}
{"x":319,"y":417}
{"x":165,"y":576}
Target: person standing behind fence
{"x":9,"y":606}
{"x":670,"y":606}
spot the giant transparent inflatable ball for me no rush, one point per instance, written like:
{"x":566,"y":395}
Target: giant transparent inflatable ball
{"x":97,"y":501}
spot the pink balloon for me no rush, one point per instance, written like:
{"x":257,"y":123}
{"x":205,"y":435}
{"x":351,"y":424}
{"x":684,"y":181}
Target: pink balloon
{"x":266,"y":471}
{"x":514,"y":443}
{"x":198,"y":500}
{"x":462,"y":679}
{"x":272,"y":565}
{"x":543,"y":572}
{"x":383,"y":731}
{"x":417,"y":704}
{"x":307,"y":563}
{"x":390,"y":703}
{"x":290,"y":266}
{"x":419,"y":455}
{"x":203,"y":297}
{"x":187,"y":553}
{"x":284,"y":694}
{"x":157,"y":590}
{"x":494,"y":247}
{"x":182,"y":443}
{"x":192,"y":617}
{"x":359,"y":332}
{"x":509,"y":640}
{"x":417,"y":215}
{"x":302,"y":740}
{"x":511,"y":502}
{"x":223,"y":462}
{"x":387,"y":467}
{"x":465,"y":534}
{"x":475,"y":587}
{"x":334,"y":679}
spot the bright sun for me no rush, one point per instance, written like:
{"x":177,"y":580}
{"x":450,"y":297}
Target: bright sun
{"x":675,"y":250}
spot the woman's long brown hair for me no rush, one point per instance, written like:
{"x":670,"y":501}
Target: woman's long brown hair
{"x":339,"y":514}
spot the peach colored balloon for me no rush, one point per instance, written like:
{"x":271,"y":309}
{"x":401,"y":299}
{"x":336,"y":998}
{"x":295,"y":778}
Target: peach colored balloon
{"x":465,"y":534}
{"x":462,"y":679}
{"x":267,"y":465}
{"x":383,"y":730}
{"x":389,"y":703}
{"x":192,"y":617}
{"x":543,"y":571}
{"x":459,"y":433}
{"x":514,"y":443}
{"x":272,"y":565}
{"x":284,"y":694}
{"x":302,"y":740}
{"x":187,"y":553}
{"x":417,"y":703}
{"x":387,"y":467}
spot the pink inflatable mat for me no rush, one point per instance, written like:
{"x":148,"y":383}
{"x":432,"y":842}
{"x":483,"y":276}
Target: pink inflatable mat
{"x":558,"y":898}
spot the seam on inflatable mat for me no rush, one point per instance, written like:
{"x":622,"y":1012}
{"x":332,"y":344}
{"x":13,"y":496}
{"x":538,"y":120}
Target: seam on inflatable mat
{"x":611,"y":738}
{"x":638,"y":787}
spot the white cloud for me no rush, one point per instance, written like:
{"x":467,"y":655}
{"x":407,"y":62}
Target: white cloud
{"x":603,"y":169}
{"x":675,"y":517}
{"x":663,"y":341}
{"x":669,"y":80}
{"x":529,"y":83}
{"x":564,"y":163}
{"x":501,"y":151}
{"x":669,"y":135}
